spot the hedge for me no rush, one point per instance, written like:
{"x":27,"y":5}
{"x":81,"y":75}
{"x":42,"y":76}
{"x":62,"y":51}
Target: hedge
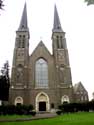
{"x":76,"y":107}
{"x":18,"y":110}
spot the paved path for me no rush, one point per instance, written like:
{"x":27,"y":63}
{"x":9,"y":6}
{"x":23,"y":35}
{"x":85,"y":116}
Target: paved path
{"x":36,"y":117}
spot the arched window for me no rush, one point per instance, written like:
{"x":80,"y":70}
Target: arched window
{"x":61,"y":40}
{"x":57,"y":37}
{"x":18,"y":100}
{"x":41,"y":73}
{"x":61,"y":74}
{"x":65,"y":99}
{"x":21,"y":41}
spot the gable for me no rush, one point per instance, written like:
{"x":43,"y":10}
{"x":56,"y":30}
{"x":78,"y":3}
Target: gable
{"x":79,"y":87}
{"x":41,"y":51}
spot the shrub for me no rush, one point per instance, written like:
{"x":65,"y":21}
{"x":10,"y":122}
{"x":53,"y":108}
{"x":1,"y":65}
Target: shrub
{"x":75,"y":107}
{"x":58,"y":112}
{"x":19,"y":109}
{"x":33,"y":113}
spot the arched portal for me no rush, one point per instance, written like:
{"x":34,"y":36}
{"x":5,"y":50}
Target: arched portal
{"x":65,"y":99}
{"x":42,"y":102}
{"x":18,"y":100}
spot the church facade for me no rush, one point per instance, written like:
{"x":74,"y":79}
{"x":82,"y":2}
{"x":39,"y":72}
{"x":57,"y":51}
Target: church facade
{"x":41,"y":79}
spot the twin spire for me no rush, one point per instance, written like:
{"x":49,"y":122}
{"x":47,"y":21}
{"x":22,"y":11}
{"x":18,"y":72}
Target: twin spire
{"x":24,"y":24}
{"x":57,"y":25}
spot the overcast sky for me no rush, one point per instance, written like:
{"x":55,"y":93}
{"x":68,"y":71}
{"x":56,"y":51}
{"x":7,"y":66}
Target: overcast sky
{"x":77,"y":20}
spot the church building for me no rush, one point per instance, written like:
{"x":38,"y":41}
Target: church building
{"x":41,"y":79}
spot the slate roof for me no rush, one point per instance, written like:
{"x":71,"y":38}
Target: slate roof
{"x":79,"y":87}
{"x":57,"y":25}
{"x":24,"y":23}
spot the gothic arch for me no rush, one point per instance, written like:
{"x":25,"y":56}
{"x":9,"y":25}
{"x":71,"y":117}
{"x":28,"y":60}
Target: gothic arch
{"x":41,"y":73}
{"x":41,"y":57}
{"x":42,"y":97}
{"x":18,"y":100}
{"x":65,"y":98}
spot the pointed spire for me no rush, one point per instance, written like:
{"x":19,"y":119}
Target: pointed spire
{"x":57,"y":25}
{"x":23,"y":23}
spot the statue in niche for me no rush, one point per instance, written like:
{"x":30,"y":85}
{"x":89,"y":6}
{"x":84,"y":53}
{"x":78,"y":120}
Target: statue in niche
{"x":61,"y":56}
{"x":61,"y":74}
{"x":19,"y":73}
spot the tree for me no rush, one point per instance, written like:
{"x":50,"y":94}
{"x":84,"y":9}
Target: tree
{"x":1,"y":4}
{"x":4,"y":82}
{"x":89,"y":2}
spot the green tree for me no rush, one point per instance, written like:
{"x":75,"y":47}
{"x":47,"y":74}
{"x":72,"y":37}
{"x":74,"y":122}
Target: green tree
{"x":89,"y":2}
{"x":1,"y":4}
{"x":4,"y":82}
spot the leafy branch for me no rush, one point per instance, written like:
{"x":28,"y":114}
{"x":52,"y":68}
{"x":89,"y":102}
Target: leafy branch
{"x":1,"y":4}
{"x":89,"y":2}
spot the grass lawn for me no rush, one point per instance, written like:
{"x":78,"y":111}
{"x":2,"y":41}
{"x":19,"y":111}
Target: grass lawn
{"x":66,"y":119}
{"x":14,"y":116}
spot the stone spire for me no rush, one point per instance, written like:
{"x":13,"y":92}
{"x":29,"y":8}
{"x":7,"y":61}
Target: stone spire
{"x":57,"y":25}
{"x":24,"y":24}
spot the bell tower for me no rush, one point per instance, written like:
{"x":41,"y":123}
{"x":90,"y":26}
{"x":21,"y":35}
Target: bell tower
{"x":60,"y":52}
{"x":19,"y":75}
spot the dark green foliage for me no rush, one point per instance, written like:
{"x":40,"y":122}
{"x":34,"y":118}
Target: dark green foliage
{"x":89,"y":2}
{"x":18,"y":110}
{"x":1,"y":4}
{"x":4,"y":88}
{"x":76,"y":107}
{"x":4,"y":82}
{"x":33,"y":113}
{"x":23,"y":109}
{"x":59,"y":112}
{"x":91,"y":105}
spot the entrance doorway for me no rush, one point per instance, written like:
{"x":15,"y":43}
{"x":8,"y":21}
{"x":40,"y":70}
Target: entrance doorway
{"x":42,"y":106}
{"x":42,"y":102}
{"x":18,"y":101}
{"x":65,"y":99}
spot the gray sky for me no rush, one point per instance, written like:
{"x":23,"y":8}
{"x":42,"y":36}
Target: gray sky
{"x":77,"y":20}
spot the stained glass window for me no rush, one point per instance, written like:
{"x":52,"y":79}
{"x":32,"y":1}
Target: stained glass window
{"x":41,"y":73}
